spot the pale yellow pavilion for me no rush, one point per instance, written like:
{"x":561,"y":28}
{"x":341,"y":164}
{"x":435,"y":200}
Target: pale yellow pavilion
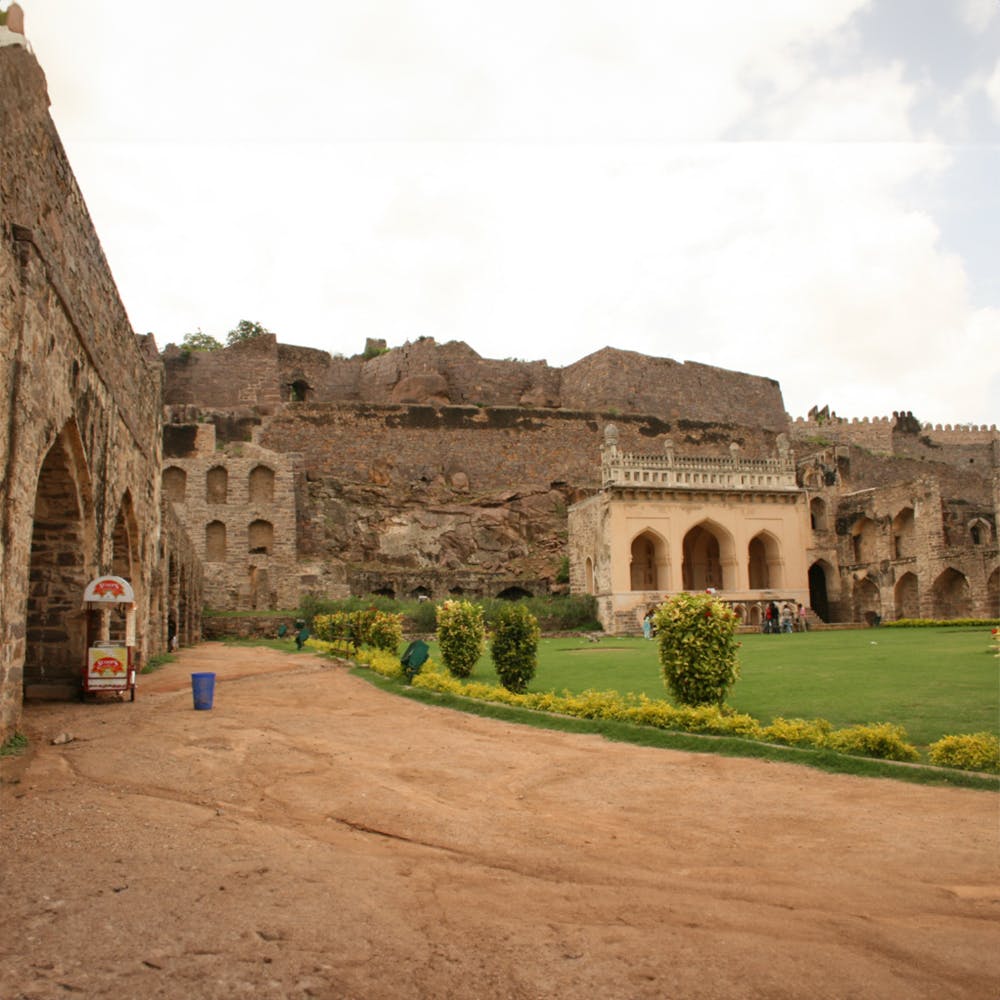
{"x":668,"y":523}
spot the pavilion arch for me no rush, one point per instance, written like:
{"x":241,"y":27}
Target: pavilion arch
{"x":818,"y":515}
{"x":62,"y":561}
{"x":261,"y":484}
{"x":175,"y":484}
{"x":709,"y":558}
{"x":950,"y":594}
{"x":217,"y":484}
{"x":820,"y":575}
{"x":906,"y":596}
{"x":863,"y":540}
{"x":764,"y":563}
{"x":904,"y":534}
{"x":867,"y":601}
{"x":648,"y":562}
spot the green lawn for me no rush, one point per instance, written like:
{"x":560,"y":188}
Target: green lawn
{"x":932,"y":681}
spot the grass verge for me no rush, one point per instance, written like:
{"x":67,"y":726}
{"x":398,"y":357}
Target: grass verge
{"x":621,"y":732}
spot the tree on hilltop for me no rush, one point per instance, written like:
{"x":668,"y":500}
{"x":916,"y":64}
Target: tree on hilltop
{"x":245,"y":330}
{"x":199,"y":341}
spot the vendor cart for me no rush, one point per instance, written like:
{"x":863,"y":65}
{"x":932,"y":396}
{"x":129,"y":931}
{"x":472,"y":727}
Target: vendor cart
{"x":110,"y":605}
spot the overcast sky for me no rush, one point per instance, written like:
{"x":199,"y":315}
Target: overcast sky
{"x":804,"y":190}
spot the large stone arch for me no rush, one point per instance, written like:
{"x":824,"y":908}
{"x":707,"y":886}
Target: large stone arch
{"x":709,"y":557}
{"x":648,"y":561}
{"x":765,"y":566}
{"x":907,"y":596}
{"x":61,"y":563}
{"x":950,"y":594}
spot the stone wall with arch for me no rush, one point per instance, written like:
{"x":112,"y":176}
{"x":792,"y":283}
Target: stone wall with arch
{"x":80,"y":440}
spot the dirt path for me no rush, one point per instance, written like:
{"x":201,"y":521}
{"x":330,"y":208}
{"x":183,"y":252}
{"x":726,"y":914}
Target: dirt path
{"x":313,"y":837}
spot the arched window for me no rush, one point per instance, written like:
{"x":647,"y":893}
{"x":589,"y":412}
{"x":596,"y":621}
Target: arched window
{"x":902,"y":534}
{"x":260,"y":537}
{"x":216,"y":484}
{"x":174,"y":484}
{"x":817,"y":514}
{"x":261,"y":484}
{"x":215,"y":542}
{"x":588,"y":572}
{"x":980,"y":532}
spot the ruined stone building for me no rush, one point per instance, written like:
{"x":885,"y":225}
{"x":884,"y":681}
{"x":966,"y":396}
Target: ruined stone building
{"x":252,"y":476}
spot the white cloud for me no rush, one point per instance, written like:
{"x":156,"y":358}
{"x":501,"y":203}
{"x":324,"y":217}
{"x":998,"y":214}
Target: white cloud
{"x":993,"y":91}
{"x":978,"y":14}
{"x":538,"y":179}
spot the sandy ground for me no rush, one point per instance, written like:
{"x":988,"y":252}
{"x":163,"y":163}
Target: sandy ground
{"x":311,"y":836}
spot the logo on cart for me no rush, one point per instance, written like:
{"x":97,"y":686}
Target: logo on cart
{"x":103,"y":587}
{"x":107,"y":665}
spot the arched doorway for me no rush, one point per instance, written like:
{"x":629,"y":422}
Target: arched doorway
{"x":61,"y":564}
{"x":951,"y":595}
{"x":907,"y":596}
{"x":708,"y":558}
{"x":647,"y":562}
{"x":819,"y":599}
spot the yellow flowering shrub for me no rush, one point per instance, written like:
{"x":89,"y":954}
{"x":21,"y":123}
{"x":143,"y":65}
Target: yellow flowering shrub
{"x":877,"y":739}
{"x":974,"y":752}
{"x":796,"y":732}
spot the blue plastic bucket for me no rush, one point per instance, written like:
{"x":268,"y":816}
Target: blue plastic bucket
{"x":203,"y":689}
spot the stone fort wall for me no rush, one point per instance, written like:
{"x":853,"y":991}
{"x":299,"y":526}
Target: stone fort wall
{"x":263,"y":372}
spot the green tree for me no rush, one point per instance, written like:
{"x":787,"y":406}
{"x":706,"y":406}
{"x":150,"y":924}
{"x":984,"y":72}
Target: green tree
{"x":199,"y":341}
{"x":697,"y":637}
{"x":245,"y":330}
{"x":461,"y":635}
{"x":515,"y":646}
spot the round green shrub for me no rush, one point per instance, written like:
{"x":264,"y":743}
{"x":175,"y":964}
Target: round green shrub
{"x":697,"y":646}
{"x":461,"y":635}
{"x":385,"y":631}
{"x":514,"y":648}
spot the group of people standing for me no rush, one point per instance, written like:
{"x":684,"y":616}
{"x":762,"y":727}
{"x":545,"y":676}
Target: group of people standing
{"x":784,"y":619}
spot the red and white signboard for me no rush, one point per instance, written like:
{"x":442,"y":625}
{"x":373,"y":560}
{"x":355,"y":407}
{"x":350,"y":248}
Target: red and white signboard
{"x":109,"y":590}
{"x":107,"y":667}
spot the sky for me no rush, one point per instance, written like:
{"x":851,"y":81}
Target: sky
{"x":804,"y":191}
